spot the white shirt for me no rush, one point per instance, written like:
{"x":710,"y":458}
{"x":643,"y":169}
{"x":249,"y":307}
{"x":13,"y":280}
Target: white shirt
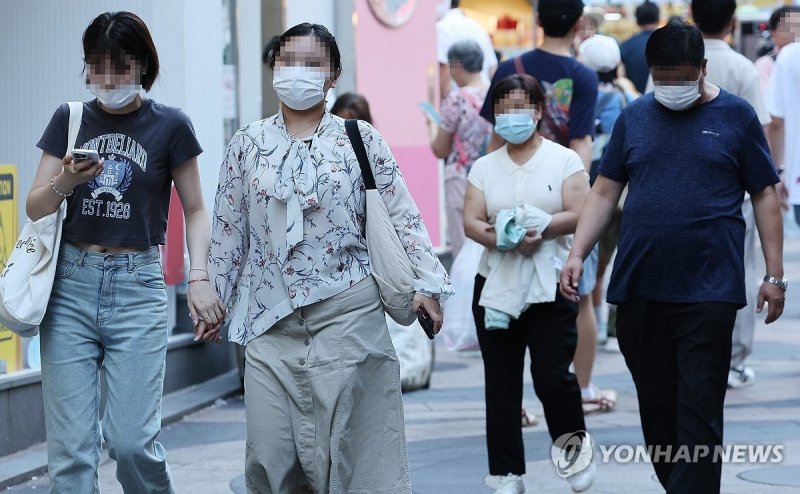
{"x":736,"y":74}
{"x":783,"y":101}
{"x":288,"y":222}
{"x":538,"y":183}
{"x":455,"y":26}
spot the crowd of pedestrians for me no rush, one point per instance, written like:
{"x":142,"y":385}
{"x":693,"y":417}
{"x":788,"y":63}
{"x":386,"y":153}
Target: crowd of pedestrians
{"x":556,"y":161}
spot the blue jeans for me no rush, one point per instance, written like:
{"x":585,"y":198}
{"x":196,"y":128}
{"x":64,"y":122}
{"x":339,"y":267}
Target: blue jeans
{"x":589,"y":277}
{"x":109,"y":311}
{"x":797,"y":214}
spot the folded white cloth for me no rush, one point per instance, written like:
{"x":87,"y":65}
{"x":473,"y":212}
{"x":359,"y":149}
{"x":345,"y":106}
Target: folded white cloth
{"x":515,"y":281}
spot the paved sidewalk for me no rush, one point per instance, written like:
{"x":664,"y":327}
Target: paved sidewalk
{"x":445,"y":427}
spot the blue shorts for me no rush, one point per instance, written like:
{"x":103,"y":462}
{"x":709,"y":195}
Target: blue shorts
{"x":589,"y":277}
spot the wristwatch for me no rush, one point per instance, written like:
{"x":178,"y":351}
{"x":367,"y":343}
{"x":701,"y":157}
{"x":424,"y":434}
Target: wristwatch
{"x":782,"y":284}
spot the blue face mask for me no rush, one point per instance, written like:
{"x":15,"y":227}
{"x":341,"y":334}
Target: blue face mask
{"x":515,"y":128}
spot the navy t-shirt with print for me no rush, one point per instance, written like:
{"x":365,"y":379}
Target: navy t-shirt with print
{"x":682,"y":237}
{"x":571,"y":90}
{"x":127,"y":205}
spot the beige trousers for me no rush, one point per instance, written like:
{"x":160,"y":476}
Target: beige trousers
{"x":323,"y":401}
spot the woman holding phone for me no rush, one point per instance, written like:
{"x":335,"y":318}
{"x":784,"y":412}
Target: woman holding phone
{"x":108,"y":306}
{"x":289,"y":258}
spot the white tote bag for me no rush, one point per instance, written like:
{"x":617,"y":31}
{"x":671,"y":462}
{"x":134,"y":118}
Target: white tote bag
{"x":27,"y":278}
{"x":391,"y":267}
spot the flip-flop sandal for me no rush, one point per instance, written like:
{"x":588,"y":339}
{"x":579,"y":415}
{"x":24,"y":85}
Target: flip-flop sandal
{"x":528,"y":419}
{"x":604,"y":402}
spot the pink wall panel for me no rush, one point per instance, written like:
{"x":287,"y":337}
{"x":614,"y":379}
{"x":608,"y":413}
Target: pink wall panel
{"x":420,"y":172}
{"x":395,"y":69}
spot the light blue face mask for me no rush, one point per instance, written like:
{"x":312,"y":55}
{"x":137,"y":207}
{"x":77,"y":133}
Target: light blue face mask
{"x":515,"y":128}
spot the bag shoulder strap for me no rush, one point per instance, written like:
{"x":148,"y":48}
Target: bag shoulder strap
{"x":75,"y":118}
{"x":361,"y":153}
{"x":518,"y":65}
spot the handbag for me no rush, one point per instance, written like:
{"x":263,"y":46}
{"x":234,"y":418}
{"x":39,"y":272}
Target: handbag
{"x":391,"y":267}
{"x":27,"y":277}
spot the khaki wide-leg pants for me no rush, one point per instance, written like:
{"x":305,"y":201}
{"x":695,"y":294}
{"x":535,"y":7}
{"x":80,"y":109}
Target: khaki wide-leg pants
{"x":323,"y":401}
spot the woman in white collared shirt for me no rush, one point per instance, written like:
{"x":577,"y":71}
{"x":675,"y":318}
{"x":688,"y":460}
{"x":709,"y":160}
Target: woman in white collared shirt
{"x":529,"y":171}
{"x":288,"y":257}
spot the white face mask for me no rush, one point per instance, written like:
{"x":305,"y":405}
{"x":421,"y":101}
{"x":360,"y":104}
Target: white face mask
{"x":116,"y":98}
{"x":299,"y":88}
{"x":678,"y":98}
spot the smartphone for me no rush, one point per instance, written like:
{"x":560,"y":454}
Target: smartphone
{"x":426,"y":322}
{"x":79,"y":155}
{"x":430,"y":112}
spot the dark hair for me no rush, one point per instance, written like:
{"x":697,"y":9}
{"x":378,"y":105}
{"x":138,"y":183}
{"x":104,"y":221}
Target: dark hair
{"x":525,"y":82}
{"x":677,"y":43}
{"x":117,"y":34}
{"x":454,"y":4}
{"x":647,"y":13}
{"x":273,"y":48}
{"x":778,"y":15}
{"x":468,"y":53}
{"x":352,"y":104}
{"x":558,"y":17}
{"x":608,"y":76}
{"x":713,"y":16}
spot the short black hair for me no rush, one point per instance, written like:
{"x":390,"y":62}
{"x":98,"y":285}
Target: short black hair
{"x":713,"y":16}
{"x":117,"y":34}
{"x":527,"y":83}
{"x":677,"y":43}
{"x":454,"y":4}
{"x":558,"y":17}
{"x":647,"y":13}
{"x":273,"y":48}
{"x":778,"y":15}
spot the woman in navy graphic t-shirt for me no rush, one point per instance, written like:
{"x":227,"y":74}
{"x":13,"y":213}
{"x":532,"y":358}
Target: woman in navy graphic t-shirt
{"x":108,"y":307}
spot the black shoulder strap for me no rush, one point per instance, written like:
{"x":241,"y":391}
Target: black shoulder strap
{"x":358,"y":147}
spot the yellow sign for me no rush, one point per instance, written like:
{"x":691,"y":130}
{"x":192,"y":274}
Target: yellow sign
{"x":10,"y":343}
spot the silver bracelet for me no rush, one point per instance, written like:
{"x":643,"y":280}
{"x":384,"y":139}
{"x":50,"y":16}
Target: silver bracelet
{"x":53,"y":186}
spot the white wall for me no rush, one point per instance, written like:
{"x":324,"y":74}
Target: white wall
{"x":250,"y":45}
{"x":313,"y":11}
{"x":41,"y":67}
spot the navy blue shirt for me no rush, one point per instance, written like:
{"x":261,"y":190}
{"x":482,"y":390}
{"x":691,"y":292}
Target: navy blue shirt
{"x":682,"y":237}
{"x":127,"y":205}
{"x":571,"y":90}
{"x":632,"y":52}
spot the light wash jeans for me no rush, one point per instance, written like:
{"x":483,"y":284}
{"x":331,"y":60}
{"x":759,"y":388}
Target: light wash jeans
{"x":106,"y":310}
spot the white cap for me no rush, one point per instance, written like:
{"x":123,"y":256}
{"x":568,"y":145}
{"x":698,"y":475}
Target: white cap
{"x":600,"y":53}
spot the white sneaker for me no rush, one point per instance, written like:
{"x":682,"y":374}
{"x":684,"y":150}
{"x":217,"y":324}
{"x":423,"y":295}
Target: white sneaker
{"x":511,"y":484}
{"x":582,"y":480}
{"x":741,"y":377}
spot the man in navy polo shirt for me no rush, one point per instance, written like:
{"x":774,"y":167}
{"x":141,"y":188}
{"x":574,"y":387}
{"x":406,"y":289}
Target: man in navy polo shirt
{"x":688,"y":152}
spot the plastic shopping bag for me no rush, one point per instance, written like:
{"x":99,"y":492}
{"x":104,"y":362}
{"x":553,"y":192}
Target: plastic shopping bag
{"x":458,"y":331}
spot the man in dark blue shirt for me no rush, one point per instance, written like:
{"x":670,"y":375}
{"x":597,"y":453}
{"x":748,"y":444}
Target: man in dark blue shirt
{"x":632,"y":50}
{"x":688,"y":152}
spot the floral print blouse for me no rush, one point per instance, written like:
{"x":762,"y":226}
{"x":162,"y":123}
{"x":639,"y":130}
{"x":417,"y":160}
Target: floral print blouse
{"x":289,"y":219}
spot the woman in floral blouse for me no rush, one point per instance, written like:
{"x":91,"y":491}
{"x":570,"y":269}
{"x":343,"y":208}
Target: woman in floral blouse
{"x":289,"y":259}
